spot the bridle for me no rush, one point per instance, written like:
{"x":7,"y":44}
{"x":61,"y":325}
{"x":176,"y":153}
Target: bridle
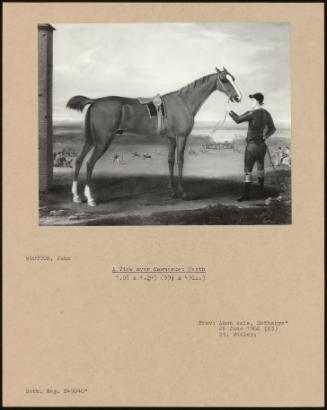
{"x":222,"y":85}
{"x":221,"y":122}
{"x":231,"y":81}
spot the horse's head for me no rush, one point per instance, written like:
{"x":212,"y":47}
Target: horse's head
{"x":226,"y":84}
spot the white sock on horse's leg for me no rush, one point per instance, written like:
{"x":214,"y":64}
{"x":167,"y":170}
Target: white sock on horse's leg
{"x":87,"y":193}
{"x":76,"y":197}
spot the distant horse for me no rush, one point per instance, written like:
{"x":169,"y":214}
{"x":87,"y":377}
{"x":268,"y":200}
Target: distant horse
{"x":111,"y":116}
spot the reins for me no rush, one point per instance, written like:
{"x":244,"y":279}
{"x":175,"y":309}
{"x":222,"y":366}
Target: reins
{"x":221,"y":122}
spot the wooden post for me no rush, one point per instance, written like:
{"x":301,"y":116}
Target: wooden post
{"x":45,"y":58}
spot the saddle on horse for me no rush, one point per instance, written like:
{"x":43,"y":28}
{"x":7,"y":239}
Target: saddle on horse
{"x":156,"y":108}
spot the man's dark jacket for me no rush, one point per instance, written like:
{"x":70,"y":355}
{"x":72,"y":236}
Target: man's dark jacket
{"x":261,"y":124}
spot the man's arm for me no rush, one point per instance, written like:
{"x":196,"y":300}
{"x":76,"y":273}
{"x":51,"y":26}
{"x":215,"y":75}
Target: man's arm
{"x":271,"y":129}
{"x":241,"y":118}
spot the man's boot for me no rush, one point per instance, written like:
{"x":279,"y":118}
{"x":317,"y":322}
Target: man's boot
{"x":246,"y":194}
{"x":261,"y":183}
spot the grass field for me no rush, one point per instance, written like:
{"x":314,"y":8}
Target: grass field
{"x":134,"y":190}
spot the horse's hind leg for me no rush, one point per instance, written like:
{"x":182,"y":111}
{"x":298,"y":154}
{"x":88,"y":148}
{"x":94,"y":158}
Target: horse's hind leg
{"x":97,"y":153}
{"x":78,"y":163}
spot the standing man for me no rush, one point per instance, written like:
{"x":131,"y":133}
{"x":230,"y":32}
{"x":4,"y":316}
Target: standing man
{"x":261,"y":127}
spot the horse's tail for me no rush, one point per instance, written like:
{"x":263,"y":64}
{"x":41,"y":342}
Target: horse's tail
{"x":79,"y":102}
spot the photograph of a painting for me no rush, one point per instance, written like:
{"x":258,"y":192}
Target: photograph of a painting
{"x":163,"y":186}
{"x":164,"y":124}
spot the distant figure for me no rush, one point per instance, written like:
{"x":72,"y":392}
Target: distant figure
{"x":261,"y":127}
{"x":116,"y":158}
{"x":286,"y":157}
{"x":69,"y":162}
{"x":58,"y":159}
{"x":203,"y":148}
{"x":278,"y":156}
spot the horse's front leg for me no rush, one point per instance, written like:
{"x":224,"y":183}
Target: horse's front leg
{"x":181,"y":143}
{"x":171,"y":164}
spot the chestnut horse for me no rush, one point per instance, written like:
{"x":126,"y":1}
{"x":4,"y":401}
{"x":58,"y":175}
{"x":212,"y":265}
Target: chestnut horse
{"x":111,"y":116}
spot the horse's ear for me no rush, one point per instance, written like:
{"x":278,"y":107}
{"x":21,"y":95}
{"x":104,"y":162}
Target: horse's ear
{"x":218,"y":71}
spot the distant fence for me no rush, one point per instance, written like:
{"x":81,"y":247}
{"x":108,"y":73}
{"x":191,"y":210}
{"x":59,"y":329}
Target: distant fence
{"x":219,"y":145}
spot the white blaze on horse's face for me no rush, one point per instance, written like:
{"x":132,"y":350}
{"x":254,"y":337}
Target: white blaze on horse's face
{"x":232,"y":83}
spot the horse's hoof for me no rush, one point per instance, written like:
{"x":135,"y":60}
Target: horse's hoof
{"x":91,"y":202}
{"x":77,"y":200}
{"x":173,"y":194}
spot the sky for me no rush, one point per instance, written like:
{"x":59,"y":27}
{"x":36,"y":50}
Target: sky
{"x":143,"y":59}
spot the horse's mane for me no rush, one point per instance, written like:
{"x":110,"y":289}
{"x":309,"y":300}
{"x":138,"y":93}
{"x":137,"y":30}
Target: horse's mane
{"x":193,"y":84}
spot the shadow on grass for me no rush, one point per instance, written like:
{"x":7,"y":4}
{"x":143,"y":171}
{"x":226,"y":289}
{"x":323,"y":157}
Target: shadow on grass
{"x":122,"y":200}
{"x":124,"y":188}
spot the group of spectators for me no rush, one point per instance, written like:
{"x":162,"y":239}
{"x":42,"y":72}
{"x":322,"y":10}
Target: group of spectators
{"x":64,"y":158}
{"x":282,"y":156}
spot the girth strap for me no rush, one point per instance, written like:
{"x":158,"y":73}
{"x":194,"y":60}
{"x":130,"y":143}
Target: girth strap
{"x":156,"y":108}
